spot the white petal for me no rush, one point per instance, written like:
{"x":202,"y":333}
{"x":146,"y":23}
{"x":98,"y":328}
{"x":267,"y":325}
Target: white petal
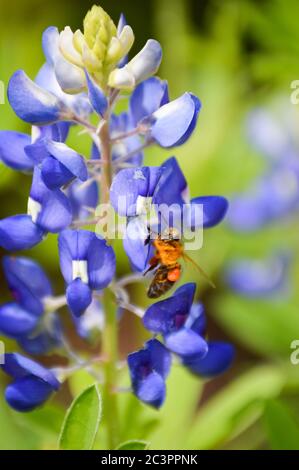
{"x":122,"y":79}
{"x":80,"y":270}
{"x":126,"y":38}
{"x":146,"y":62}
{"x":67,"y":47}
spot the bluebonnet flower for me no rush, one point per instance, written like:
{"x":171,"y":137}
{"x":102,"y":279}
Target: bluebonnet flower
{"x":25,"y":319}
{"x":263,"y":277}
{"x":13,"y":144}
{"x":58,"y":163}
{"x":275,"y":194}
{"x":182,"y":326}
{"x":84,"y":74}
{"x":167,"y":123}
{"x":32,"y":383}
{"x":47,"y":211}
{"x":272,"y":197}
{"x":87,"y":263}
{"x":34,"y":104}
{"x":133,"y":190}
{"x":149,"y":368}
{"x":44,"y":100}
{"x":168,"y":317}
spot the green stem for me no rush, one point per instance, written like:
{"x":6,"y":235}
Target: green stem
{"x":110,"y":338}
{"x":110,"y":350}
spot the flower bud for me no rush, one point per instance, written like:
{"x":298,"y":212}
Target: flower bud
{"x":99,"y":48}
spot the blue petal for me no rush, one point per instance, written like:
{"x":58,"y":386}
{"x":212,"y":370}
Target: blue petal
{"x":147,"y":98}
{"x":37,"y":151}
{"x":197,"y":319}
{"x":73,"y":245}
{"x":79,"y":297}
{"x":57,"y":131}
{"x":15,"y":321}
{"x":82,"y":197}
{"x":27,"y":393}
{"x":66,"y":165}
{"x":27,"y":282}
{"x":259,"y":277}
{"x":50,"y":39}
{"x":169,"y":315}
{"x":129,"y":184}
{"x":101,"y":264}
{"x":218,"y":359}
{"x":134,"y":244}
{"x":267,"y":135}
{"x":214,"y":209}
{"x":96,"y":96}
{"x":160,"y":357}
{"x":31,"y":103}
{"x":12,"y":152}
{"x":273,"y":196}
{"x":151,"y":390}
{"x":17,"y":366}
{"x":56,"y":213}
{"x":185,"y":342}
{"x":18,"y":232}
{"x":69,"y":158}
{"x":148,"y":369}
{"x":55,"y":174}
{"x":172,"y":184}
{"x":173,"y":123}
{"x":154,"y":356}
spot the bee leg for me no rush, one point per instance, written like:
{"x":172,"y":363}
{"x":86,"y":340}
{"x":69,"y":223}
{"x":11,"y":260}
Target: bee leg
{"x":153,"y":263}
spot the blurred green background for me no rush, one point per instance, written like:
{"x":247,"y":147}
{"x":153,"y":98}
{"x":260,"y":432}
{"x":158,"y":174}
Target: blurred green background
{"x":234,"y":55}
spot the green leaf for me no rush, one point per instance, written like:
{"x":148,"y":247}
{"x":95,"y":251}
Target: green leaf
{"x":82,"y":421}
{"x":282,"y":428}
{"x":236,"y":407}
{"x":133,"y":445}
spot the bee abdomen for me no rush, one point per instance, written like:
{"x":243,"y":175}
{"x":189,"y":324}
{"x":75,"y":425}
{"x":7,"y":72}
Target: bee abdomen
{"x":155,"y":290}
{"x":160,"y":284}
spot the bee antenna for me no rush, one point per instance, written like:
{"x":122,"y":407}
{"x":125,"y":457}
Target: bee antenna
{"x":202,"y":272}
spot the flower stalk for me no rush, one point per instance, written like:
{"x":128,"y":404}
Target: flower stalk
{"x":110,"y":340}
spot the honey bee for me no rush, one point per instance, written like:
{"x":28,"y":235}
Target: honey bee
{"x":168,"y":250}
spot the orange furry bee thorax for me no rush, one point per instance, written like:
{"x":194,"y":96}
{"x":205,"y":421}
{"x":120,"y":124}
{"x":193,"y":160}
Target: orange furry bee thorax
{"x":168,"y":251}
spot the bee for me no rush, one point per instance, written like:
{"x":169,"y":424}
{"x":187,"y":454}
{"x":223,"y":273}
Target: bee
{"x":168,"y":250}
